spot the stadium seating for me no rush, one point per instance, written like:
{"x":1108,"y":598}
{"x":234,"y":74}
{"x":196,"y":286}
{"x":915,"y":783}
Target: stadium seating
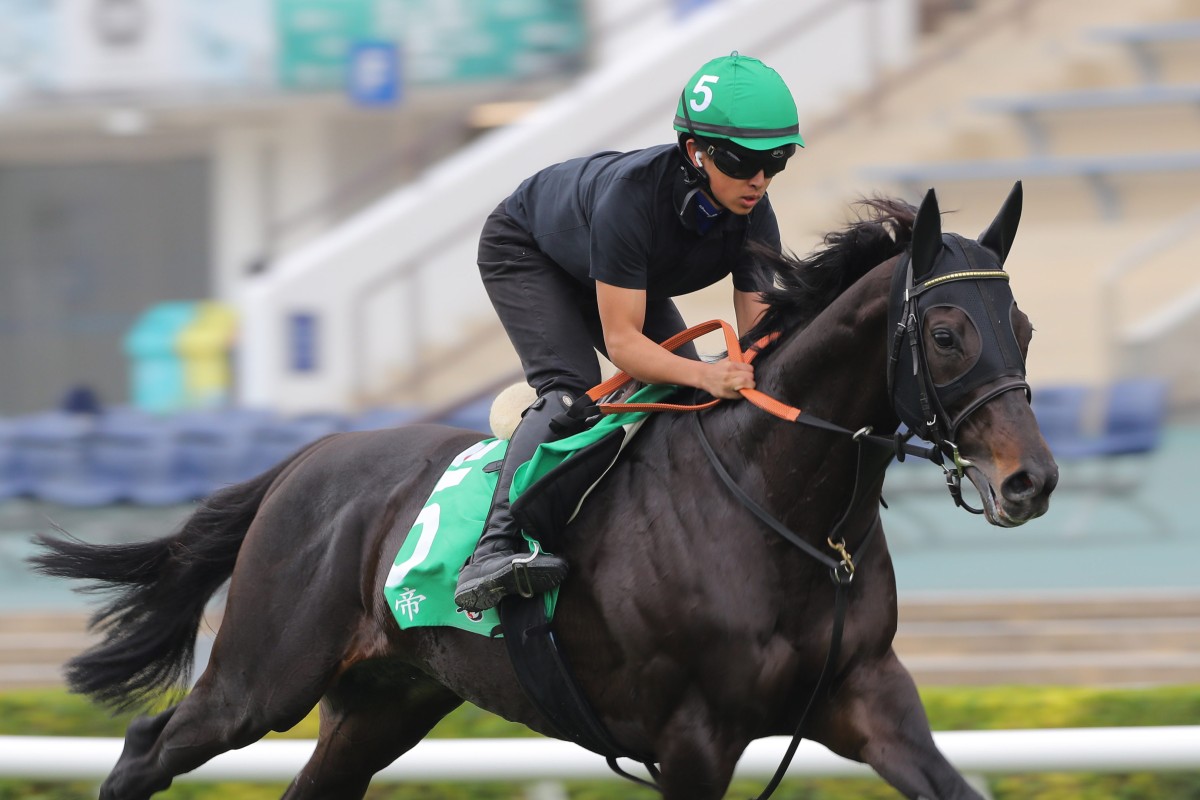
{"x":50,"y":457}
{"x":214,"y":448}
{"x":472,"y":416}
{"x":8,"y":461}
{"x":1032,"y":110}
{"x":384,"y":417}
{"x":275,"y":439}
{"x":136,"y":455}
{"x":1098,"y":170}
{"x":1134,"y":412}
{"x":1146,"y":41}
{"x":1060,"y":412}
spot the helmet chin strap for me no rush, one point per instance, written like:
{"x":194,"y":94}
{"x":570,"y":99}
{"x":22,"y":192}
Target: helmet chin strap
{"x":694,"y":172}
{"x":696,"y":175}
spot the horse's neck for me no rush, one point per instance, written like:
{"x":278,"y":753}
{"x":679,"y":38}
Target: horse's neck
{"x":836,"y":368}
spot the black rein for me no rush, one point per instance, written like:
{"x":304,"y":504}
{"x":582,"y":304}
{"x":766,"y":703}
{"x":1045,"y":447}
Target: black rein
{"x":840,"y":571}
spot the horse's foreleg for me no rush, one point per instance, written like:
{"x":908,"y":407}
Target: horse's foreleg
{"x":695,"y":760}
{"x":876,"y":717}
{"x":368,"y":720}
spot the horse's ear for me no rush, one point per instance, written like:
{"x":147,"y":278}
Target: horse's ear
{"x":926,"y":237}
{"x":1000,"y":234}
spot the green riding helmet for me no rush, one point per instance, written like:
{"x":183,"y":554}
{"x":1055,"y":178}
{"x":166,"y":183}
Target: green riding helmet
{"x":741,"y":99}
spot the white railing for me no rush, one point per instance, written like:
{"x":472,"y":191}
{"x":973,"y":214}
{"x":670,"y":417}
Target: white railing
{"x":1109,"y":750}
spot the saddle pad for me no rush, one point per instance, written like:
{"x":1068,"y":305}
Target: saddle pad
{"x":420,"y":586}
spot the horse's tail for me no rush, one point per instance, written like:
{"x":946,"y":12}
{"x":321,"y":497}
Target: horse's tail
{"x":159,"y":591}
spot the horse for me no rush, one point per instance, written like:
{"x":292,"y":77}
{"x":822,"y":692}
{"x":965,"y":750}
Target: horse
{"x":693,"y":628}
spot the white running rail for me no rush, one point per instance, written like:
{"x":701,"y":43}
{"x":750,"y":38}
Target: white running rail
{"x":1149,"y":749}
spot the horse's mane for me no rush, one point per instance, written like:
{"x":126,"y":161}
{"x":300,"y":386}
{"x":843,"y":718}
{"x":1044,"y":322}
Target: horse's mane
{"x":804,"y":287}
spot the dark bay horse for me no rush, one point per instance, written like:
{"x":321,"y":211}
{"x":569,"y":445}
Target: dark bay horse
{"x":692,"y":627}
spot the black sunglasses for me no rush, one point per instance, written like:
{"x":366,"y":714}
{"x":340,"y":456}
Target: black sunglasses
{"x":742,"y":167}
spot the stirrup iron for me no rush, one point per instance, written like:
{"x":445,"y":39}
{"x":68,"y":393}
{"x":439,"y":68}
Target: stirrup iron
{"x":521,"y":580}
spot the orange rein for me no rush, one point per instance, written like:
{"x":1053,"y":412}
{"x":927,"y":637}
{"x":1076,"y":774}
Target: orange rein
{"x":763,"y":401}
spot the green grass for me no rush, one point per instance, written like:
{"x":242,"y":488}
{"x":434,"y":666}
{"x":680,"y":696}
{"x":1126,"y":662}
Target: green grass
{"x":993,"y":708}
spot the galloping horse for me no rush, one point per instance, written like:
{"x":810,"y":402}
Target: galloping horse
{"x":692,"y":626}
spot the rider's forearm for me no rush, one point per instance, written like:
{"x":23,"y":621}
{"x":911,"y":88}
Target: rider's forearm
{"x":651,"y":363}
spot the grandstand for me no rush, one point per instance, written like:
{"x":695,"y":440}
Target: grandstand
{"x":317,"y":208}
{"x":1109,"y":168}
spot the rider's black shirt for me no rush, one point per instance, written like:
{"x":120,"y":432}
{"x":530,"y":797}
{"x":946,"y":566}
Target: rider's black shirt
{"x":629,"y":220}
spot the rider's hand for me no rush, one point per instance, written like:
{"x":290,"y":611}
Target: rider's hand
{"x":724,"y":378}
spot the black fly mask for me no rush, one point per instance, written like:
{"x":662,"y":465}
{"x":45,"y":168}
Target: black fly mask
{"x":946,"y":270}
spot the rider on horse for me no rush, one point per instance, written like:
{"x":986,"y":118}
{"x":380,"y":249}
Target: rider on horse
{"x":586,"y":255}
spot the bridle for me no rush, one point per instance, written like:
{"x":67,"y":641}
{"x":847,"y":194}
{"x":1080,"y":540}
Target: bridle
{"x":920,"y":403}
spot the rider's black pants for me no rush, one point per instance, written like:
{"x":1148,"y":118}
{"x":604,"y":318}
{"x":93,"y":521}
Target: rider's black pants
{"x":550,"y":317}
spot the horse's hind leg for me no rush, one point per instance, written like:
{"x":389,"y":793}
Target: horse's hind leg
{"x":214,"y":718}
{"x":876,"y":717}
{"x":248,"y":689}
{"x":131,"y":776}
{"x":373,"y":715}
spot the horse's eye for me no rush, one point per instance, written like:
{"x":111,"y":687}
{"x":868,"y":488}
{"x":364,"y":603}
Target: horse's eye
{"x":943,"y":338}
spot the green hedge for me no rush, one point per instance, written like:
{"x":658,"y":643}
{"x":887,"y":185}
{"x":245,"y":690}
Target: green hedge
{"x":993,"y":708}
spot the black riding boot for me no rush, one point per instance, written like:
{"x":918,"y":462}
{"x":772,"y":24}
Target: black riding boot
{"x":501,"y":564}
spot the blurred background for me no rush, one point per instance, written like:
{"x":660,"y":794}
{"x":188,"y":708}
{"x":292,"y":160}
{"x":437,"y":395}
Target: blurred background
{"x":228,"y":228}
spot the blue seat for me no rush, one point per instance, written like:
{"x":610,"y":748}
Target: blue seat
{"x":68,"y":458}
{"x":1060,"y":412}
{"x":138,"y":456}
{"x":51,"y":449}
{"x":277,"y":439}
{"x":9,"y":467}
{"x":378,"y":418}
{"x":215,"y":447}
{"x":1107,"y":465}
{"x":474,"y":415}
{"x":1134,"y":412}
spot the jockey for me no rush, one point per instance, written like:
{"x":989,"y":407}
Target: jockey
{"x":586,"y":255}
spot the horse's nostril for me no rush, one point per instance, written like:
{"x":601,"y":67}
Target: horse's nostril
{"x":1020,"y":486}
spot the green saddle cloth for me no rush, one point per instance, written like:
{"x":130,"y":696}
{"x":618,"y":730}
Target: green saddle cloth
{"x":420,"y":586}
